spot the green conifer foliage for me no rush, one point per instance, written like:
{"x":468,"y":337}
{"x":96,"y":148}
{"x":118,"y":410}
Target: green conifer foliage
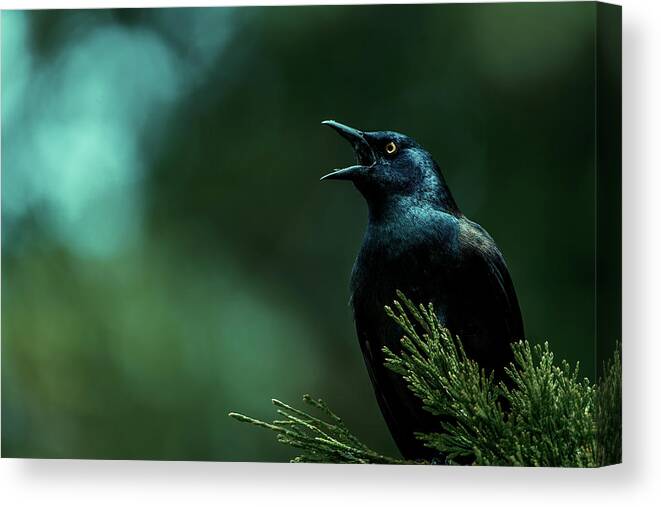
{"x":545,"y":415}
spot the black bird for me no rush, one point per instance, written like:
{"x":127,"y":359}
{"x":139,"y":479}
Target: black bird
{"x":419,"y":242}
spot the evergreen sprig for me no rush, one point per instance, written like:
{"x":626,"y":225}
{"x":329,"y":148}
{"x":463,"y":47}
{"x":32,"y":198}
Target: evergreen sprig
{"x":608,"y":412}
{"x":545,"y":415}
{"x":321,"y":441}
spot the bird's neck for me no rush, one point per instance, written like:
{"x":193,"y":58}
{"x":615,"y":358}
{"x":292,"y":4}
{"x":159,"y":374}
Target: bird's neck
{"x":394,"y":208}
{"x":429,"y":192}
{"x":399,"y":226}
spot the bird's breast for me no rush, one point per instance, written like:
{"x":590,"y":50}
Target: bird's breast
{"x":419,"y":264}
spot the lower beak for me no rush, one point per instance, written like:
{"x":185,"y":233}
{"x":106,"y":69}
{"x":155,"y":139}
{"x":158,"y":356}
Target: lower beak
{"x":364,"y":153}
{"x":348,"y":173}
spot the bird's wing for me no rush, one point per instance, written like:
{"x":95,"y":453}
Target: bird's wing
{"x":489,"y":282}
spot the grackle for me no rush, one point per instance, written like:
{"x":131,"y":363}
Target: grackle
{"x":418,"y":241}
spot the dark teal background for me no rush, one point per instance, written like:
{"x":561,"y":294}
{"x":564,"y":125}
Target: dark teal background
{"x":169,"y":254}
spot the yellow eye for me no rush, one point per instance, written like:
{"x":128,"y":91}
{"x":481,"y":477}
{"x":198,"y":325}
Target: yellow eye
{"x":391,"y":148}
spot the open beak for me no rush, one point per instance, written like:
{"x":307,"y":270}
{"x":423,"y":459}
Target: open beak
{"x":364,"y":153}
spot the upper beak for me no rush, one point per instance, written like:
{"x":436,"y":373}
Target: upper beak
{"x":364,"y":153}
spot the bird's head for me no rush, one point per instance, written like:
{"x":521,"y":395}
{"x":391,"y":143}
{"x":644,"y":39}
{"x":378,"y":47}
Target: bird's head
{"x":391,"y":166}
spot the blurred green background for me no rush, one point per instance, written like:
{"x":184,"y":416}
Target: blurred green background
{"x":169,"y":254}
